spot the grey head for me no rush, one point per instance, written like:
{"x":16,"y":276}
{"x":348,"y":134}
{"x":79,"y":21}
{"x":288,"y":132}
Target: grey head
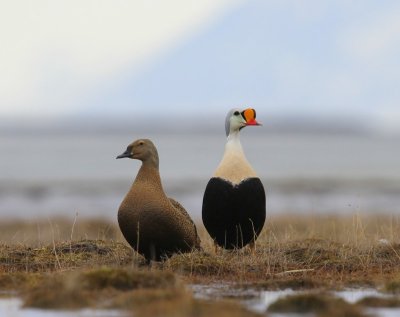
{"x":236,"y":119}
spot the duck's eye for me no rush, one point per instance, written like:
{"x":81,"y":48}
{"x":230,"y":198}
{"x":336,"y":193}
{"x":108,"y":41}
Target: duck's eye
{"x":236,"y":113}
{"x":141,"y":143}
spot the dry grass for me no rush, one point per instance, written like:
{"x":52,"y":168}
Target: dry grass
{"x":309,"y":251}
{"x":41,"y":232}
{"x":63,"y":256}
{"x":89,"y":262}
{"x":305,"y":248}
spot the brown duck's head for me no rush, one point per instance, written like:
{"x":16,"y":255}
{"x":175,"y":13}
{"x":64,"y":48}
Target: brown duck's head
{"x":142,"y":149}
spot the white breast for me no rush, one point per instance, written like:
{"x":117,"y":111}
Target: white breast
{"x":234,"y":166}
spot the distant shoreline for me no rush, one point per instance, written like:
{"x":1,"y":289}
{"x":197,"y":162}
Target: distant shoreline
{"x":204,"y":125}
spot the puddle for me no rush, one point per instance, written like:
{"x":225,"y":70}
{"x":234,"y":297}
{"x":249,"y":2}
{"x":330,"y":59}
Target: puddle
{"x":259,"y":301}
{"x":12,"y":307}
{"x":253,"y":299}
{"x":355,"y":294}
{"x":384,"y":312}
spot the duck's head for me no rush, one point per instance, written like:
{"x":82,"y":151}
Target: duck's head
{"x":142,"y":149}
{"x":237,"y":119}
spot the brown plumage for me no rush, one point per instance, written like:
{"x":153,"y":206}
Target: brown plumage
{"x":153,"y":224}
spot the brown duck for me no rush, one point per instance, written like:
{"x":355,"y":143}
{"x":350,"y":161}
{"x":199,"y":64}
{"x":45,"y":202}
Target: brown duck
{"x":153,"y":224}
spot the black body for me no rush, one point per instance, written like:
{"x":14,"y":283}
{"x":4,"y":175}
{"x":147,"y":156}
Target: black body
{"x":234,"y":214}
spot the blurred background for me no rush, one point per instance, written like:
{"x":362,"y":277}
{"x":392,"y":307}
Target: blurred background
{"x":80,"y":80}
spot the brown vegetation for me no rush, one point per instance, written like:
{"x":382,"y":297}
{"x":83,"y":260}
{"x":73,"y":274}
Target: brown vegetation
{"x":89,"y":263}
{"x":321,"y":305}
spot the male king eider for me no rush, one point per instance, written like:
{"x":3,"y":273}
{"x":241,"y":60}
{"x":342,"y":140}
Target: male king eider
{"x":234,"y":200}
{"x":153,"y":224}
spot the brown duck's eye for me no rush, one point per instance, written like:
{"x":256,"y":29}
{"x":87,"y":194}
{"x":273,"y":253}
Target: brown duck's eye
{"x":141,"y":143}
{"x":236,"y":113}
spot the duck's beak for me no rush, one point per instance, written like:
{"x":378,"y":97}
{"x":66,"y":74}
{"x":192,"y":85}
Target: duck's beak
{"x":127,"y":153}
{"x":250,"y":116}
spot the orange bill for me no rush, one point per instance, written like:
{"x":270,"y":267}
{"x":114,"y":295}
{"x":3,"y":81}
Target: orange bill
{"x":250,"y":116}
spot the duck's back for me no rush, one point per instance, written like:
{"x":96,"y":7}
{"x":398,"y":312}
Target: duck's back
{"x":186,"y":223}
{"x":153,"y":226}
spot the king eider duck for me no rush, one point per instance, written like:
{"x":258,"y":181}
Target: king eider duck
{"x":233,"y":209}
{"x":153,"y":224}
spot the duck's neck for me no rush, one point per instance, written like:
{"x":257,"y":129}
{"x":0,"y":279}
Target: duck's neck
{"x":233,"y":145}
{"x":234,"y":166}
{"x":149,"y":173}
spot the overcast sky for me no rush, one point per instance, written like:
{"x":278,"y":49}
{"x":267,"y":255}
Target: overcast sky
{"x":311,"y":58}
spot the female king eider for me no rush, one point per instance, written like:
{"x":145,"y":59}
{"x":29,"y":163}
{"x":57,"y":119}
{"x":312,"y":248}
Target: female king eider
{"x":155,"y":225}
{"x":234,"y":200}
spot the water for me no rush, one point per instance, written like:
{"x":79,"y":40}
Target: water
{"x":253,"y":299}
{"x":259,"y":301}
{"x":12,"y":307}
{"x":51,"y":174}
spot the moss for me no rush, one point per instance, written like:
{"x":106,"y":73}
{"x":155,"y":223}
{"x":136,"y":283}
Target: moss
{"x":312,"y":254}
{"x":199,"y":263}
{"x":363,"y":282}
{"x":126,"y":279}
{"x":176,"y":303}
{"x":140,"y":298}
{"x":392,"y":287}
{"x":70,"y":290}
{"x":391,"y":302}
{"x":56,"y":293}
{"x":301,"y":303}
{"x":322,"y":305}
{"x":202,"y":308}
{"x":19,"y":280}
{"x":287,"y":282}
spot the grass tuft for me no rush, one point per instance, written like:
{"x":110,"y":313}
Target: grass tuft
{"x":126,"y":279}
{"x":199,"y":263}
{"x":321,"y":305}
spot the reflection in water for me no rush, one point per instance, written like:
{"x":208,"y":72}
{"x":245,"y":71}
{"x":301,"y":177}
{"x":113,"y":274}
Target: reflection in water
{"x":13,"y":307}
{"x":259,"y":301}
{"x":253,"y":299}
